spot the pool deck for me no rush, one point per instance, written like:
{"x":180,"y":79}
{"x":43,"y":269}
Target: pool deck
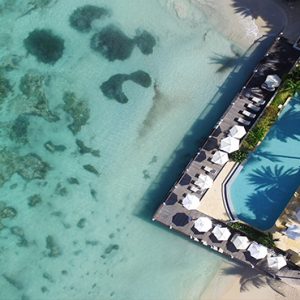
{"x":279,"y":59}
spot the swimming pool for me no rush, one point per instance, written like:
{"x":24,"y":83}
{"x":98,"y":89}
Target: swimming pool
{"x":262,"y":189}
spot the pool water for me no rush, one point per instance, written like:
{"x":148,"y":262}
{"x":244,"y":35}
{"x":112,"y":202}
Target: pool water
{"x":271,"y":175}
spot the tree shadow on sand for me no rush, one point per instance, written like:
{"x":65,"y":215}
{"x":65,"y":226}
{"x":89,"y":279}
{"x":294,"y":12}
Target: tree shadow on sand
{"x":250,"y":278}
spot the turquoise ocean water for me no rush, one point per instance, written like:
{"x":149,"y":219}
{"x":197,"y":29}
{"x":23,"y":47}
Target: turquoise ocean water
{"x":81,"y":174}
{"x":271,"y":175}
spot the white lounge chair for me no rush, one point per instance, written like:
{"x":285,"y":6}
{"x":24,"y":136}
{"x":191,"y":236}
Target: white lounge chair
{"x":253,"y":107}
{"x":194,"y":189}
{"x":248,"y":114}
{"x":209,"y":169}
{"x":258,"y":101}
{"x":243,"y":121}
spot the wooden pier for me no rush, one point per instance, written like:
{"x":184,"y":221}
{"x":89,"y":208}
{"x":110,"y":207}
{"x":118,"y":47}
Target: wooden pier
{"x":279,"y":59}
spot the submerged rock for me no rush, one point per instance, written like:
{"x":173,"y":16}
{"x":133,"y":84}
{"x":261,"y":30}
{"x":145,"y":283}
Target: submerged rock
{"x":61,"y":190}
{"x":19,"y":129}
{"x":10,"y":62}
{"x":112,"y":88}
{"x":82,"y":17}
{"x":73,"y":180}
{"x":112,"y":43}
{"x":78,"y":110}
{"x":91,"y":169}
{"x":52,"y":246}
{"x":44,"y":45}
{"x":145,"y":42}
{"x":83,"y":149}
{"x":34,"y":200}
{"x":81,"y":223}
{"x":5,"y":88}
{"x":54,"y":148}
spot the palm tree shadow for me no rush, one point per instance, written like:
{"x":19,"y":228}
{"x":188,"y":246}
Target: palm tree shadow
{"x":252,"y":278}
{"x":274,"y":188}
{"x":266,"y":177}
{"x":286,"y":127}
{"x":226,"y":62}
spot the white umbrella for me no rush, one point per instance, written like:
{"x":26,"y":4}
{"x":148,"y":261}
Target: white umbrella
{"x":273,"y":81}
{"x":220,"y":158}
{"x":221,"y":233}
{"x":203,"y":224}
{"x":230,"y":144}
{"x":237,"y":131}
{"x":276,"y":262}
{"x":293,"y":232}
{"x":190,"y":201}
{"x":204,"y":182}
{"x":257,"y":251}
{"x":240,"y":242}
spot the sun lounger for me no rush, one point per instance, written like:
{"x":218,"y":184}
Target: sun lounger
{"x":258,"y":101}
{"x":248,"y":114}
{"x":194,"y":189}
{"x":253,"y":107}
{"x":243,"y":121}
{"x":209,"y":169}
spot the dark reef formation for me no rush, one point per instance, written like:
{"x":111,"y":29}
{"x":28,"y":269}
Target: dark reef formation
{"x":44,"y":45}
{"x":112,"y":88}
{"x":145,"y":42}
{"x":78,"y":110}
{"x":113,"y":44}
{"x":82,"y":17}
{"x":91,"y":169}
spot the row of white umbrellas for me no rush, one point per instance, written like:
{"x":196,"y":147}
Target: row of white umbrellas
{"x":229,"y":144}
{"x":257,"y":251}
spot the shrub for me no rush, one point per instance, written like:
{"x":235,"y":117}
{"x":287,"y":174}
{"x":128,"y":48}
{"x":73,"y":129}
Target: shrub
{"x":239,"y":156}
{"x":265,"y":239}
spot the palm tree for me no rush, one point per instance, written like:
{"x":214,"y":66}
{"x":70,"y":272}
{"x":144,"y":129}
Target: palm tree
{"x":292,"y":86}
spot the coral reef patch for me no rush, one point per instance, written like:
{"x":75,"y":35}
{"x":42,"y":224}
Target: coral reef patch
{"x":112,"y":88}
{"x":145,"y":42}
{"x":44,"y":45}
{"x":52,"y":246}
{"x":91,"y":169}
{"x":114,"y":44}
{"x":19,"y":128}
{"x":5,"y":88}
{"x":33,"y":100}
{"x":78,"y":110}
{"x":82,"y":17}
{"x":29,"y":166}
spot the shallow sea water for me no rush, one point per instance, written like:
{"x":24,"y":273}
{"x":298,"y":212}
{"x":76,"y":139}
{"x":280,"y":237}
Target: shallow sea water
{"x":95,"y":239}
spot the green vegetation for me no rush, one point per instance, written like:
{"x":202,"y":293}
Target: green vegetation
{"x":265,"y":239}
{"x":290,"y":86}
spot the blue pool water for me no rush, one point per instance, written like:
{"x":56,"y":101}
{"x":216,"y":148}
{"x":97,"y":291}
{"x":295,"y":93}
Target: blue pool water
{"x":264,"y":186}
